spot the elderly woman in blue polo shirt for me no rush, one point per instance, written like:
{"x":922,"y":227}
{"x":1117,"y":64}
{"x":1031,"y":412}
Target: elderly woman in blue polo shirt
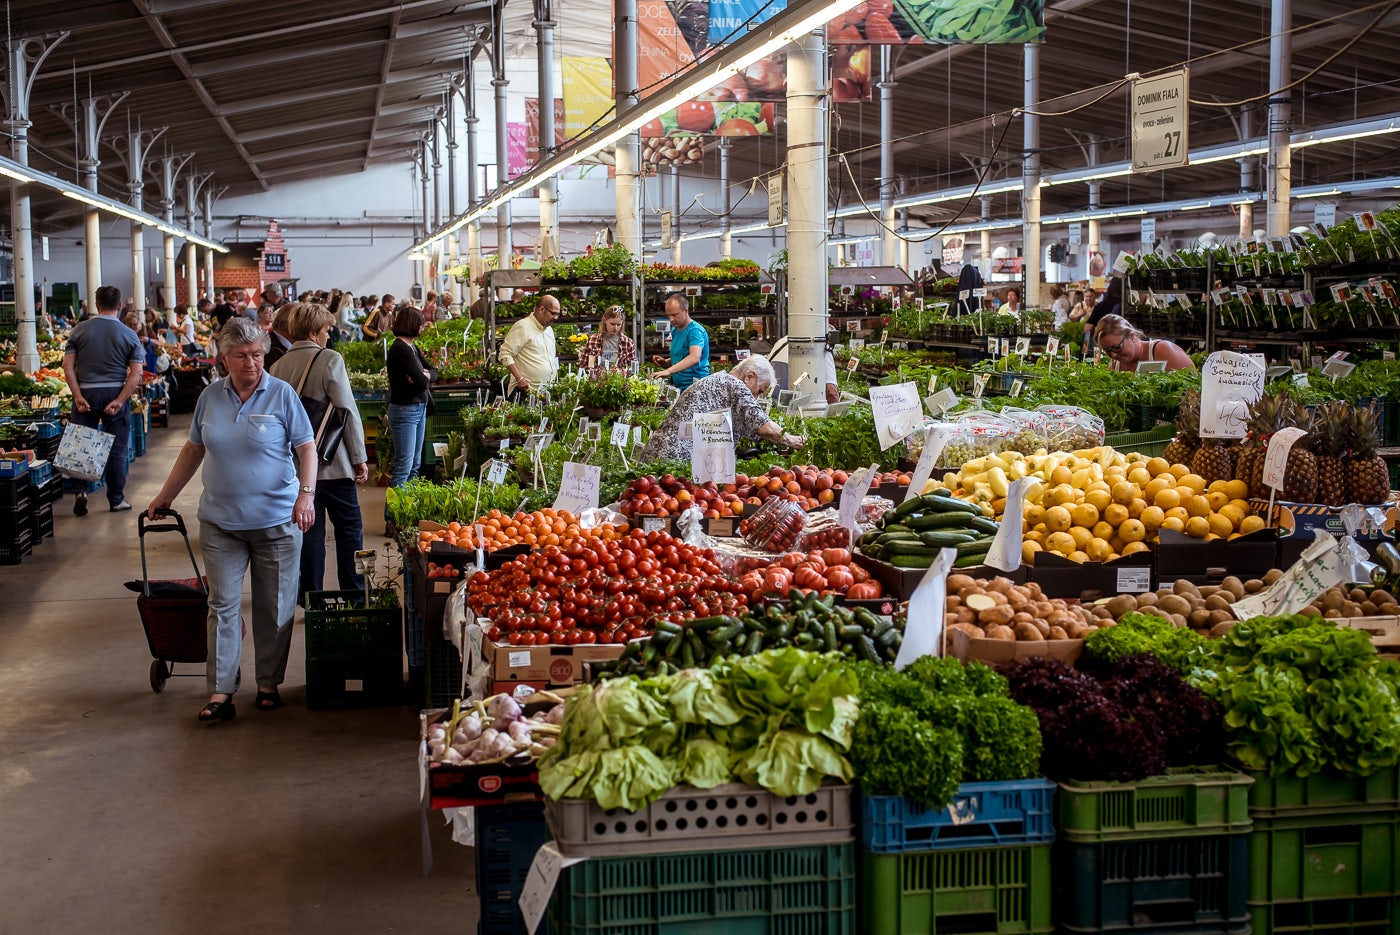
{"x":259,"y":497}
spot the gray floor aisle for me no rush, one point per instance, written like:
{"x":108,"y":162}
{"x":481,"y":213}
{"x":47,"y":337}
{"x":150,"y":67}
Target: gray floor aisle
{"x":120,"y":813}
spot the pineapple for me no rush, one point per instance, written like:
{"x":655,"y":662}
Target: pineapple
{"x":1300,"y":473}
{"x":1266,"y":416}
{"x":1330,"y":430}
{"x":1182,"y":449}
{"x":1213,"y":461}
{"x":1368,"y":477}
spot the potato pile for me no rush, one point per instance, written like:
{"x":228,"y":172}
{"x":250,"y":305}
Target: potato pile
{"x":999,"y":610}
{"x":1206,"y":608}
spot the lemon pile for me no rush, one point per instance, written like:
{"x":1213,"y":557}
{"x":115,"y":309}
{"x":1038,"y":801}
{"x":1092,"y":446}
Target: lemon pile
{"x":1100,"y":504}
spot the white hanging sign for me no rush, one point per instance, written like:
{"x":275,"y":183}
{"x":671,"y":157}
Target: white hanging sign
{"x":578,"y":487}
{"x":898,"y":411}
{"x":1230,"y":383}
{"x":1276,"y":459}
{"x":712,"y":448}
{"x":923,"y":634}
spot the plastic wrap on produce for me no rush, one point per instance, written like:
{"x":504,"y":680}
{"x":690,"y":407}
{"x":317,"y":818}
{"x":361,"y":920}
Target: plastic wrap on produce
{"x":824,"y":530}
{"x":690,"y":528}
{"x":871,"y":510}
{"x":775,"y":527}
{"x":1031,"y":434}
{"x":1070,"y":428}
{"x":601,"y":516}
{"x":456,"y":615}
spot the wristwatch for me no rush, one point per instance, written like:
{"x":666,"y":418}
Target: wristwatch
{"x":306,"y":489}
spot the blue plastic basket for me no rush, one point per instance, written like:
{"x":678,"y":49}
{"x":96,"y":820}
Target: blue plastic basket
{"x":40,"y":472}
{"x":982,"y":814}
{"x":46,"y":430}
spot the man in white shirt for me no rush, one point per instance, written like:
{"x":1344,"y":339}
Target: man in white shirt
{"x":528,"y":350}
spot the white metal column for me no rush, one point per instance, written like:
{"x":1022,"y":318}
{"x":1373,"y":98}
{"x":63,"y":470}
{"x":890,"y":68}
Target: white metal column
{"x":505,"y":244}
{"x":549,"y":224}
{"x":1095,"y":191}
{"x":471,"y":120}
{"x":89,"y":123}
{"x":454,"y":256}
{"x":138,"y":142}
{"x":1030,"y":176}
{"x":806,"y":228}
{"x":209,"y":235}
{"x":726,"y":245}
{"x":1247,"y":181}
{"x":889,"y":254}
{"x":675,"y":214}
{"x":1280,"y":119}
{"x":626,"y":154}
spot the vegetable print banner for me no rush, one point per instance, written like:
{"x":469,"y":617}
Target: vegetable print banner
{"x":940,"y":22}
{"x":588,"y":93}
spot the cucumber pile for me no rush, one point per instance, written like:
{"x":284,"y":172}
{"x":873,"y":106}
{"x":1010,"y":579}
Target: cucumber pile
{"x":913,"y":533}
{"x":804,"y":620}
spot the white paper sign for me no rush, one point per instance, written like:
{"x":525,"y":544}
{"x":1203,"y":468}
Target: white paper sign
{"x":1005,"y":552}
{"x":933,"y":447}
{"x":496,"y":473}
{"x":540,"y":883}
{"x":979,"y":384}
{"x":923,"y":634}
{"x":1230,"y":383}
{"x":852,"y":492}
{"x":578,"y":487}
{"x":1276,"y":459}
{"x":620,"y":431}
{"x":1052,"y":344}
{"x":898,"y":411}
{"x":941,"y":401}
{"x":1336,"y":369}
{"x":1317,"y":569}
{"x":1023,"y":346}
{"x":712,"y":448}
{"x":857,"y":344}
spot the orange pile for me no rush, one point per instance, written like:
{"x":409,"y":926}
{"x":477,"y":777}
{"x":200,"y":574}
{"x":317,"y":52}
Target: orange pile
{"x":542,"y":528}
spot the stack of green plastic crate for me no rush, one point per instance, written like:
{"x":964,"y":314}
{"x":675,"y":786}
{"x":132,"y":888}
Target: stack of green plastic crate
{"x":1166,"y":854}
{"x":1322,"y":855}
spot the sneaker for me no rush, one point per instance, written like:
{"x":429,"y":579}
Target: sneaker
{"x":121,"y":507}
{"x":80,"y":505}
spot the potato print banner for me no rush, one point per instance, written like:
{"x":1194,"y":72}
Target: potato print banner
{"x":940,"y":22}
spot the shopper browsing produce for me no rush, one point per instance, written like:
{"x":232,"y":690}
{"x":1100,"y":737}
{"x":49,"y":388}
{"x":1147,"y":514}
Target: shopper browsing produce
{"x":1128,"y":347}
{"x":259,"y":494}
{"x":528,"y":350}
{"x":690,"y":345}
{"x":409,"y":380}
{"x":380,"y":320}
{"x":1084,"y":304}
{"x":608,"y":348}
{"x":319,"y":375}
{"x":736,"y":391}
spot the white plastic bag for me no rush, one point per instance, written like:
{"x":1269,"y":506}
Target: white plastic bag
{"x":82,"y":453}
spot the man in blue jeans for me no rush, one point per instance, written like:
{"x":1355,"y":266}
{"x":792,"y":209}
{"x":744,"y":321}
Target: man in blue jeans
{"x":103,"y":364}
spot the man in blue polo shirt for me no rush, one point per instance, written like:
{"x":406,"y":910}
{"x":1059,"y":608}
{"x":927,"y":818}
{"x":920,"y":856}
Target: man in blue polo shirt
{"x":103,"y":364}
{"x":690,"y":345}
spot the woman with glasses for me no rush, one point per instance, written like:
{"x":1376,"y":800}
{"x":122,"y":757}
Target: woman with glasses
{"x":736,"y":391}
{"x":1127,"y":347}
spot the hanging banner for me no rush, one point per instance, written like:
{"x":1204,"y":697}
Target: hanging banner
{"x":939,"y":22}
{"x":516,"y":161}
{"x":532,"y":127}
{"x":730,"y":19}
{"x":588,"y":97}
{"x":850,"y":74}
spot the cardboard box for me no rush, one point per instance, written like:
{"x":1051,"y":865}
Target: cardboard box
{"x":901,"y":582}
{"x":552,"y":666}
{"x":998,"y":652}
{"x":476,"y":783}
{"x":719,"y":527}
{"x":1196,"y":560}
{"x":1089,"y":581}
{"x":1302,"y":520}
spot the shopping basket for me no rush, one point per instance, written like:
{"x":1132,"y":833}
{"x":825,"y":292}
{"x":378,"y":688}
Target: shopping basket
{"x":174,"y":612}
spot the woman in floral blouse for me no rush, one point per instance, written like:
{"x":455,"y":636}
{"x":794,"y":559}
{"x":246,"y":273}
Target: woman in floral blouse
{"x":736,"y":392}
{"x":608,"y":349}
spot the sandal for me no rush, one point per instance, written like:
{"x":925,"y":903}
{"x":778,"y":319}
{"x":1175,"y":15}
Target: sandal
{"x":218,"y":711}
{"x":268,"y":701}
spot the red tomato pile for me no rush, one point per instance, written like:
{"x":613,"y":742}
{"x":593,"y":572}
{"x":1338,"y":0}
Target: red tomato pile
{"x":669,"y":495}
{"x":824,"y":571}
{"x":595,"y":591}
{"x":811,"y":487}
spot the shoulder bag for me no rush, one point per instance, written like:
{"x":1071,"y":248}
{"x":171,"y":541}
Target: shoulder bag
{"x":327,"y":421}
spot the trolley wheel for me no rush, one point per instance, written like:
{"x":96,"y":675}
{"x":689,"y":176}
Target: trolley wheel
{"x":160,"y":674}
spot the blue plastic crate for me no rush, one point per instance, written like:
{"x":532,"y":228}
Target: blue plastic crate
{"x":73,"y":485}
{"x":40,"y":473}
{"x":982,"y":814}
{"x":46,"y":430}
{"x":507,"y":837}
{"x":47,"y":414}
{"x":138,"y":445}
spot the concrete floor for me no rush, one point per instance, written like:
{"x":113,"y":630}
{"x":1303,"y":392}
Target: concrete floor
{"x":120,"y":813}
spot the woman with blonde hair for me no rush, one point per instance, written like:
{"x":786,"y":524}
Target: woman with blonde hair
{"x":608,"y":348}
{"x":1128,"y":347}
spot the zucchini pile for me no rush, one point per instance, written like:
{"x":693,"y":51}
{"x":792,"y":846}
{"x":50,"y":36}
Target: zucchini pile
{"x":913,"y":533}
{"x":805,"y":621}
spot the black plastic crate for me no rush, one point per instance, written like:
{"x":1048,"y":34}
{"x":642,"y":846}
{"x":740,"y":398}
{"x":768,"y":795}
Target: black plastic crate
{"x":443,"y":679}
{"x":13,"y":490}
{"x":12,"y":550}
{"x":354,"y":683}
{"x":51,"y":492}
{"x":13,"y":522}
{"x":507,"y":837}
{"x":42,"y":522}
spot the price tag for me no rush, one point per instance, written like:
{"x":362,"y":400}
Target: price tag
{"x":637,"y":451}
{"x":1317,"y":569}
{"x":1337,"y":369}
{"x":595,"y":432}
{"x":1005,"y":346}
{"x":923,"y":634}
{"x":933,"y":448}
{"x":620,"y":433}
{"x":979,"y":384}
{"x":852,"y":493}
{"x":578,"y":487}
{"x":540,"y":883}
{"x":1023,"y":346}
{"x":884,"y":336}
{"x":712,"y":448}
{"x":505,"y":443}
{"x":919,"y":304}
{"x":364,"y":561}
{"x":439,"y":449}
{"x":636,"y":435}
{"x":853,"y":325}
{"x":941,"y":402}
{"x":991,"y":346}
{"x":964,"y":295}
{"x":496,"y":473}
{"x":898,"y":411}
{"x":857,"y":344}
{"x":1017,"y":385}
{"x":538,"y":440}
{"x":895,"y":303}
{"x":852,"y":364}
{"x":980,"y":292}
{"x":1052,"y":344}
{"x":1134,"y":580}
{"x":692,"y":290}
{"x":1276,"y":459}
{"x":654,"y":523}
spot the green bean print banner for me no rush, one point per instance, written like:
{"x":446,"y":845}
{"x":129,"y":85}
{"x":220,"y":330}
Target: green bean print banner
{"x":983,"y":22}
